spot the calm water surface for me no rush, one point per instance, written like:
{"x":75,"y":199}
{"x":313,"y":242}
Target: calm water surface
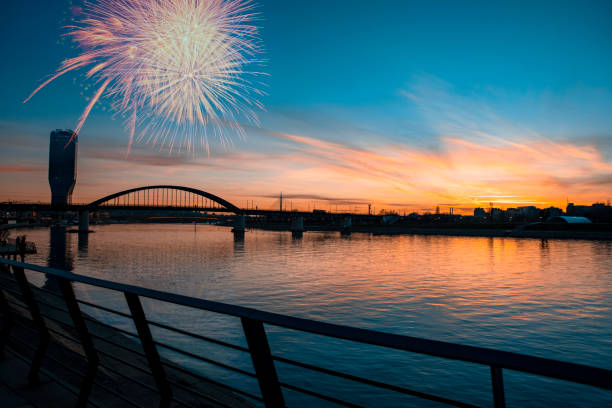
{"x":549,"y":298}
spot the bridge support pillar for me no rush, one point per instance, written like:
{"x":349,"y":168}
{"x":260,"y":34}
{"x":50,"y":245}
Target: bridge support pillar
{"x":238,"y":229}
{"x":347,"y":226}
{"x":297,"y":227}
{"x":84,"y":221}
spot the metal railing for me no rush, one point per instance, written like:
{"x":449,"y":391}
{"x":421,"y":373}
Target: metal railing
{"x":252,"y":322}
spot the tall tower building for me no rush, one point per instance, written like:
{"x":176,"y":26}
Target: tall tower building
{"x":62,"y":165}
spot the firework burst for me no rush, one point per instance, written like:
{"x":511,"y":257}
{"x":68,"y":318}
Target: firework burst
{"x":176,"y":69}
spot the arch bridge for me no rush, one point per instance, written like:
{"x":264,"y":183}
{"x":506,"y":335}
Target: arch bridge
{"x":165,"y":197}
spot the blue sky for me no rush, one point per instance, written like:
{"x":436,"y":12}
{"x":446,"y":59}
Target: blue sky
{"x":363,"y":75}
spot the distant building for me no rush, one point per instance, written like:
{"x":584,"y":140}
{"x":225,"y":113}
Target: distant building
{"x":551,"y":212}
{"x":497,"y":215}
{"x":480,"y":213}
{"x":513,"y":215}
{"x":577,"y":210}
{"x":564,"y":219}
{"x":598,"y":212}
{"x":529,"y":213}
{"x":62,"y":165}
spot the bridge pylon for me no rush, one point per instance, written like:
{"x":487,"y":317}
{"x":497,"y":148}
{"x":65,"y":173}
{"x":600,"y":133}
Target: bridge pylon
{"x":84,"y":221}
{"x":297,"y":226}
{"x":239,"y":226}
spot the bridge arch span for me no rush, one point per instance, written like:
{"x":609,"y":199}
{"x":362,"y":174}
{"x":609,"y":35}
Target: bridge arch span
{"x":224,"y":203}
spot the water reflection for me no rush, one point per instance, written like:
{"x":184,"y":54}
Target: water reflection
{"x":238,"y":246}
{"x":60,"y":255}
{"x":549,"y":298}
{"x":83,"y":243}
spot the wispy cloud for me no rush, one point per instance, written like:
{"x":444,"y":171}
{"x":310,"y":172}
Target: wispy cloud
{"x":19,"y":168}
{"x":464,"y":153}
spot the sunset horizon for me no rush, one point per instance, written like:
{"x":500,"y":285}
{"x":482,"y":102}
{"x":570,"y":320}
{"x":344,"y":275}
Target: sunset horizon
{"x":525,"y":124}
{"x":306,"y":203}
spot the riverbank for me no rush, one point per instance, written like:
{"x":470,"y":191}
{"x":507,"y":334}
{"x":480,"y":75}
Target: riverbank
{"x":555,"y":232}
{"x":544,"y":234}
{"x":537,"y":231}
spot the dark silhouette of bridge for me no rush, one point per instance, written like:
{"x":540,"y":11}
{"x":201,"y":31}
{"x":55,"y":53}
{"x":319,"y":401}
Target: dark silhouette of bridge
{"x":164,"y":198}
{"x":155,"y":197}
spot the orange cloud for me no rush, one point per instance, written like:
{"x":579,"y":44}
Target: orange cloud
{"x":465,"y":173}
{"x":315,"y":172}
{"x":18,"y":168}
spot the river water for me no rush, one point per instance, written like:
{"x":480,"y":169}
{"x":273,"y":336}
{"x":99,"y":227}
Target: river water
{"x":548,"y":298}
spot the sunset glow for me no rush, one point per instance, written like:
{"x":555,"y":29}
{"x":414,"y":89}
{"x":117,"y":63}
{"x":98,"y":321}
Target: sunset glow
{"x":408,"y":126}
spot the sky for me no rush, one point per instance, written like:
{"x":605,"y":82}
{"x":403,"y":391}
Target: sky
{"x":403,"y":105}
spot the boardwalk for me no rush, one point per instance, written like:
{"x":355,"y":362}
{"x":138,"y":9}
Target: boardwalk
{"x":61,"y":377}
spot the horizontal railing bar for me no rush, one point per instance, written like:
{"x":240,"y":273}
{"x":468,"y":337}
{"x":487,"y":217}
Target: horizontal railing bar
{"x":78,"y":342}
{"x":46,"y":316}
{"x":9,"y":300}
{"x":13,"y":291}
{"x":6,"y":278}
{"x":134,"y":366}
{"x":205,"y":359}
{"x":110,"y":326}
{"x":123,"y":361}
{"x":374,"y":383}
{"x":118,"y":395}
{"x":21,"y":305}
{"x":198,"y":336}
{"x":67,"y":337}
{"x":292,"y":362}
{"x":170,"y":348}
{"x":117,"y":345}
{"x":219,"y":384}
{"x":321,"y":396}
{"x":48,"y":292}
{"x":47,"y":356}
{"x":92,"y":334}
{"x":147,"y":386}
{"x":578,"y":373}
{"x":36,"y":288}
{"x":150,"y":388}
{"x":106,"y":309}
{"x":304,"y":365}
{"x":44,"y":302}
{"x":17,"y":293}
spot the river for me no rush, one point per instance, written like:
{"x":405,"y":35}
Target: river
{"x":548,"y":298}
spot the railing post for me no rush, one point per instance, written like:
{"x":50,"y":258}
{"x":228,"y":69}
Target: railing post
{"x":44,"y":337}
{"x":146,"y":338}
{"x":263,"y":363}
{"x":86,"y":340}
{"x":497,"y":380}
{"x":7,"y":324}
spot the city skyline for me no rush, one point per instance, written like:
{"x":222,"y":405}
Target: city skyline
{"x":506,"y":105}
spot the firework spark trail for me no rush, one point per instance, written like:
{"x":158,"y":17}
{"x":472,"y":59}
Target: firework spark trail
{"x":174,"y":67}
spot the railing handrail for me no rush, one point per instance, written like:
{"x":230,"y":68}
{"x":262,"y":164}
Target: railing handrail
{"x":579,"y":373}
